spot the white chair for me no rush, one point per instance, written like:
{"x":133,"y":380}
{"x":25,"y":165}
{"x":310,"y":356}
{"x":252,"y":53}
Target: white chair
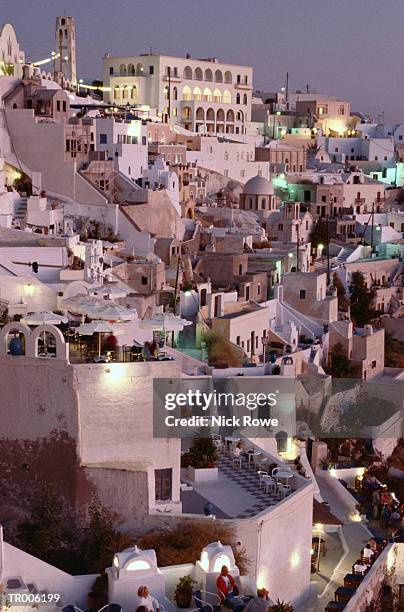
{"x":270,"y":485}
{"x":286,"y":490}
{"x":274,"y":472}
{"x":262,"y":475}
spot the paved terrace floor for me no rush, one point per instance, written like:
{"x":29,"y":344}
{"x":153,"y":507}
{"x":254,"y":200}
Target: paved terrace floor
{"x":235,"y":494}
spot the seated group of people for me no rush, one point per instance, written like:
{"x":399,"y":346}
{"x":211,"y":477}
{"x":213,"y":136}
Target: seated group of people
{"x":368,"y":556}
{"x":227,"y":590}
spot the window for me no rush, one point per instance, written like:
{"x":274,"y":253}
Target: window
{"x":400,"y":137}
{"x":103,"y":139}
{"x":324,"y":198}
{"x":374,"y":364}
{"x":58,"y":105}
{"x":111,"y":70}
{"x":163,"y":484}
{"x":64,"y":107}
{"x":238,"y":340}
{"x":280,"y":227}
{"x":302,"y":294}
{"x":143,"y":140}
{"x":259,"y":289}
{"x":336,"y":149}
{"x":144,"y":280}
{"x":151,"y":69}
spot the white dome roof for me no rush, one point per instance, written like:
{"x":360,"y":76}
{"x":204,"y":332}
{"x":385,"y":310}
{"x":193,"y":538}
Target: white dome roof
{"x":258,"y":185}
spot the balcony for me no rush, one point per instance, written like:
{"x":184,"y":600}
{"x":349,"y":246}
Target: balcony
{"x":244,"y":86}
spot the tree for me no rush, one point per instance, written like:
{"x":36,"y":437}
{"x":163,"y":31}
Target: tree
{"x":343,"y":301}
{"x":361,"y":299}
{"x":100,"y":540}
{"x":50,"y":532}
{"x":340,"y":364}
{"x":203,"y":452}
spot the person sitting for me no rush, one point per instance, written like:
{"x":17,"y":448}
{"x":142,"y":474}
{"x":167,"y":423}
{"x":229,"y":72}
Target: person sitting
{"x":260,"y":603}
{"x":226,"y":585}
{"x":367,"y":554}
{"x":359,"y":568}
{"x":153,"y":350}
{"x":150,"y":603}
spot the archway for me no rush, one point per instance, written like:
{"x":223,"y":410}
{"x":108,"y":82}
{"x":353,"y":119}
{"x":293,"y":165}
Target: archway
{"x":198,"y":74}
{"x":18,"y":329}
{"x":218,"y":76}
{"x":228,"y":77}
{"x":187,"y":72}
{"x":61,"y":348}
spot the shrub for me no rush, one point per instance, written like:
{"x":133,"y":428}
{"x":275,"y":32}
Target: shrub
{"x":184,"y":543}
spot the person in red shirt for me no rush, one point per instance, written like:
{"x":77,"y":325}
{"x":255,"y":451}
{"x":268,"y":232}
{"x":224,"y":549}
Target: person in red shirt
{"x":226,"y":585}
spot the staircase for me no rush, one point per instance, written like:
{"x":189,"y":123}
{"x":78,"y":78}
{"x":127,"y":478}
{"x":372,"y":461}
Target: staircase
{"x":345,"y":253}
{"x":21,"y":212}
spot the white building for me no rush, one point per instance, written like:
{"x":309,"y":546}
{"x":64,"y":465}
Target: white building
{"x":65,"y":46}
{"x":125,"y":142}
{"x":201,"y":95}
{"x":235,"y":160}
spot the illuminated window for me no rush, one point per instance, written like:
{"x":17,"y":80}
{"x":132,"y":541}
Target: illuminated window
{"x":137,"y":564}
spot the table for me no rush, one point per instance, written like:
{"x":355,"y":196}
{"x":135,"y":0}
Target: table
{"x":344,"y":594}
{"x":251,"y":454}
{"x":283,"y":474}
{"x":353,"y":580}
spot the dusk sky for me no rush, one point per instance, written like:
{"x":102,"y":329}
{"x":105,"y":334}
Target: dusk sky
{"x":350,"y":48}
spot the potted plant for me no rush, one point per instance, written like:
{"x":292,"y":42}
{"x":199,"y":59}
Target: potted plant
{"x":282,"y":606}
{"x":97,"y":597}
{"x":183,"y":592}
{"x":202,"y":458}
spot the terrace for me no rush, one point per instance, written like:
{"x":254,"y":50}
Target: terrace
{"x":242,"y":493}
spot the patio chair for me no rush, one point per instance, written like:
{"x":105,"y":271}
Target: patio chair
{"x":112,"y":607}
{"x":262,"y":475}
{"x":204,"y":606}
{"x":270,"y":485}
{"x":238,"y":461}
{"x":286,"y":490}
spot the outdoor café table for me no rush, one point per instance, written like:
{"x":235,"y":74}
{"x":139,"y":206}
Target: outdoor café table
{"x":344,"y":594}
{"x":353,"y":580}
{"x":252,"y":454}
{"x":283,"y":475}
{"x":231,"y":440}
{"x":237,"y":602}
{"x":335,"y":605}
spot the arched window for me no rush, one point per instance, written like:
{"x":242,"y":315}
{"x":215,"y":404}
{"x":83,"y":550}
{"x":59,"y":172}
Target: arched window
{"x":230,"y":116}
{"x":186,"y":112}
{"x":133,"y":92}
{"x":207,"y":95}
{"x":117,"y":92}
{"x":245,"y":99}
{"x":240,"y":116}
{"x":208,"y":75}
{"x":218,"y":76}
{"x":187,"y":93}
{"x":198,"y":74}
{"x":217,"y":96}
{"x":139,"y":69}
{"x":227,"y":96}
{"x":227,"y":77}
{"x":226,"y":156}
{"x":124,"y":91}
{"x":122,"y":69}
{"x":131,"y":69}
{"x":238,"y":99}
{"x":200,"y":114}
{"x":187,"y":72}
{"x":220,"y":115}
{"x":210,"y":114}
{"x":197,"y":94}
{"x":263,"y":203}
{"x":175,"y":93}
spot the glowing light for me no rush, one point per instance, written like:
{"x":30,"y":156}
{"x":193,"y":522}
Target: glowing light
{"x":290,"y":255}
{"x":312,"y":551}
{"x":115,"y":562}
{"x":355,"y":518}
{"x":333,"y":472}
{"x":205,"y":560}
{"x":137,"y":564}
{"x":29,"y":290}
{"x":262,"y":578}
{"x":320,"y":247}
{"x":294,"y":560}
{"x":278,"y":113}
{"x":318,"y":527}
